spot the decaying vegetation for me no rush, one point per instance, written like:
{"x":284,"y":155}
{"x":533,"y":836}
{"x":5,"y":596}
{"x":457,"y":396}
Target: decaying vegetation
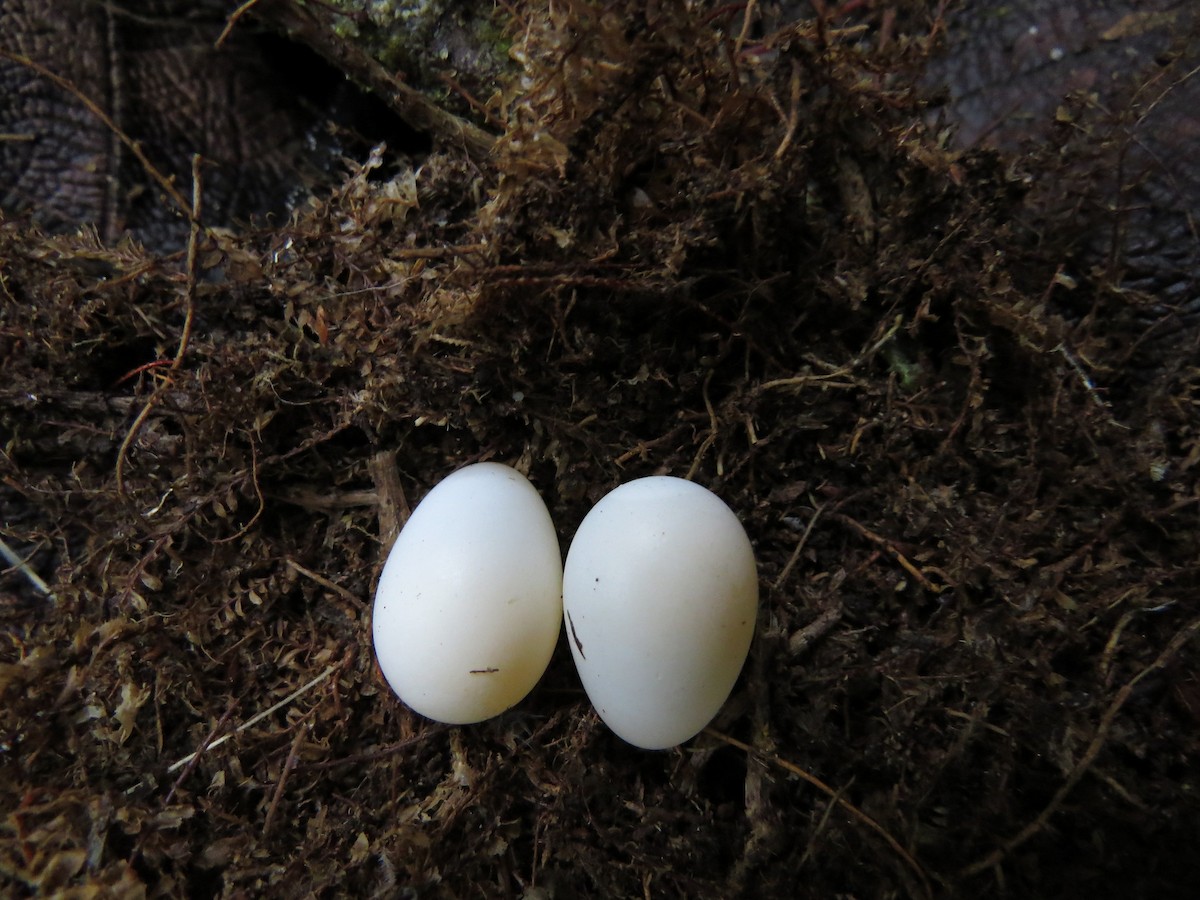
{"x":968,"y":466}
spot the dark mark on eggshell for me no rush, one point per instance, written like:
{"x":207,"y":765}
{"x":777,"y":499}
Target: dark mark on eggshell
{"x":575,"y":637}
{"x":484,"y":671}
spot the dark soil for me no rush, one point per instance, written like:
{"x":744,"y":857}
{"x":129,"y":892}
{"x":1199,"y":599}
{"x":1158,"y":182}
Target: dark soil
{"x":966,"y":456}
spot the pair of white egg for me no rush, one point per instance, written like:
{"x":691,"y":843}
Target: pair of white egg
{"x":659,"y":592}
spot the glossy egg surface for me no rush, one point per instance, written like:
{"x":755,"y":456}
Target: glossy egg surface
{"x":469,"y":603}
{"x":660,"y":594}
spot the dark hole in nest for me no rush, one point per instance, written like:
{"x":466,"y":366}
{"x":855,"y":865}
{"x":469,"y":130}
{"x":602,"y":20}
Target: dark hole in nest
{"x":722,"y":778}
{"x":119,"y":841}
{"x":1073,"y":661}
{"x":358,"y":120}
{"x":203,"y":883}
{"x":111,"y":361}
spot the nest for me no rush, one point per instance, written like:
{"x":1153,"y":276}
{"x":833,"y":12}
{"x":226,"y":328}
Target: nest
{"x":971,"y":487}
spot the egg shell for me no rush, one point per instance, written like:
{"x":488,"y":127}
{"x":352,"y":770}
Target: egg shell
{"x":469,"y":603}
{"x":660,"y":593}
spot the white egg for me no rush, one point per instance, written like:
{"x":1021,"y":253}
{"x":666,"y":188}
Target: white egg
{"x":469,"y":604}
{"x":660,"y":593}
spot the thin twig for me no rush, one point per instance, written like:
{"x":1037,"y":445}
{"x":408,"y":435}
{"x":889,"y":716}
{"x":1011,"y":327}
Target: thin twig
{"x":283,"y":775}
{"x":22,"y":566}
{"x":713,"y":432}
{"x":372,"y":755}
{"x":185,"y":335}
{"x":825,"y":381}
{"x":787,"y":569}
{"x":254,"y":720}
{"x":472,"y":101}
{"x":324,"y":582}
{"x":250,"y":4}
{"x":793,"y":118}
{"x":210,"y":740}
{"x":437,"y":252}
{"x":262,"y":503}
{"x":905,"y":563}
{"x":232,"y":21}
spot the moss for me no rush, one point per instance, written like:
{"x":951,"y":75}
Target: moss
{"x":430,"y":42}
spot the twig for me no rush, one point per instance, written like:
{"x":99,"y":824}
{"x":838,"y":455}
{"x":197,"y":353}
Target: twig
{"x":791,"y":563}
{"x":144,"y":367}
{"x":311,"y":499}
{"x":283,"y":775}
{"x":800,"y":641}
{"x":192,"y":761}
{"x":748,"y":16}
{"x":210,"y":740}
{"x":22,"y":566}
{"x":352,"y":15}
{"x":903,"y":560}
{"x":324,"y":582}
{"x":833,"y":795}
{"x":1089,"y":756}
{"x":389,"y":495}
{"x":262,"y":503}
{"x":472,"y":101}
{"x":233,"y":19}
{"x":819,"y":830}
{"x":373,"y":755}
{"x":185,"y":335}
{"x":435,"y":252}
{"x":140,"y":567}
{"x":1089,"y":385}
{"x":713,"y":432}
{"x":254,"y":720}
{"x":1110,"y":646}
{"x":793,"y":118}
{"x":975,"y":720}
{"x":825,"y":380}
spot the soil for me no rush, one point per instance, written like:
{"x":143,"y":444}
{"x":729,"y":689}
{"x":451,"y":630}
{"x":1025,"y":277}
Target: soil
{"x":965,"y":450}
